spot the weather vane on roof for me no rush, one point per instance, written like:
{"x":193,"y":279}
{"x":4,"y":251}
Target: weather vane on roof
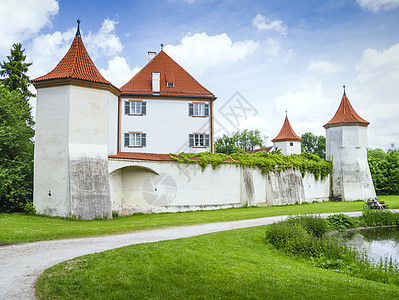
{"x":78,"y":31}
{"x":161,"y":47}
{"x":344,"y":91}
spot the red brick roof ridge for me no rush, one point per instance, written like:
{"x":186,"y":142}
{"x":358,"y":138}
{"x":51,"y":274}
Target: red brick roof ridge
{"x":287,"y":133}
{"x":126,"y":91}
{"x":346,"y":114}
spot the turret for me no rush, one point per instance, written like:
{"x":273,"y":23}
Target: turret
{"x":346,"y":146}
{"x":287,"y":140}
{"x":76,"y":117}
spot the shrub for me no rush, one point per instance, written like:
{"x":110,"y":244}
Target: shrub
{"x":304,"y":237}
{"x":376,"y":217}
{"x":340,"y":222}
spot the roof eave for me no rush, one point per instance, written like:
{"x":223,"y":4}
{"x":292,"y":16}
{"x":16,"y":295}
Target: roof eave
{"x":54,"y":82}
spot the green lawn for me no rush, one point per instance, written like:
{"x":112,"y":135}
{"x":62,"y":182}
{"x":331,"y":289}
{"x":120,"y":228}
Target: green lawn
{"x":20,"y":228}
{"x":235,"y":264}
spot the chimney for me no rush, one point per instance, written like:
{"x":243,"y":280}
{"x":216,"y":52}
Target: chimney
{"x":156,"y":83}
{"x":151,"y":55}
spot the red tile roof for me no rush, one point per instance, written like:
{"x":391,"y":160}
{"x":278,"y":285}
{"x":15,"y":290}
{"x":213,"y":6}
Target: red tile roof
{"x":345,"y":114}
{"x":267,"y":149}
{"x":184,"y":83}
{"x":76,"y":64}
{"x":286,"y":133}
{"x":142,"y":156}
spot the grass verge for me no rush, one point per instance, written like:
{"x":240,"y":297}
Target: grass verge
{"x":21,"y":228}
{"x":235,"y":264}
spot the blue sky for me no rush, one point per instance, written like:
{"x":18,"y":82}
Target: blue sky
{"x":280,"y":55}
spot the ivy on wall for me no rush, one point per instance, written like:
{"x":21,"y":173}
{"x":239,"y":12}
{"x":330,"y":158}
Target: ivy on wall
{"x":266,"y":162}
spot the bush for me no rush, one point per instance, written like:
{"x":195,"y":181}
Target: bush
{"x":340,"y":222}
{"x":376,"y":217}
{"x":304,"y":237}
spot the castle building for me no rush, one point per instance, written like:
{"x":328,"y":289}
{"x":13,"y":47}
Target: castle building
{"x":99,"y":148}
{"x":287,"y":140}
{"x":82,"y":120}
{"x":346,"y":146}
{"x":164,"y":109}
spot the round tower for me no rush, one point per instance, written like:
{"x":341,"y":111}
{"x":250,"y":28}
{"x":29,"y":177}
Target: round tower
{"x":287,"y":140}
{"x":75,"y":109}
{"x":346,"y":146}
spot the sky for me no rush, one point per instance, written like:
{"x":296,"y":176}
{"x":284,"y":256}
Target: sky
{"x":262,"y":59}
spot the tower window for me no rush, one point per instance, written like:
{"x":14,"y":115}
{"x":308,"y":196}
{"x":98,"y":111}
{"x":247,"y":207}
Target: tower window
{"x":291,"y":144}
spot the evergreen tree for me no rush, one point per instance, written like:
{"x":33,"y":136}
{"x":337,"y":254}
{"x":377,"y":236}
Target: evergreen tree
{"x":16,"y":152}
{"x":16,"y":133}
{"x":16,"y":79}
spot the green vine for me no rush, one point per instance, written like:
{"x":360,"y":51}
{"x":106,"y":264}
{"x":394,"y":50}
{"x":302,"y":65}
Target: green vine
{"x":266,"y":162}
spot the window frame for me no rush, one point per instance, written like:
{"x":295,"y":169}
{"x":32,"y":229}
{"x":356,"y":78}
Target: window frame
{"x":199,"y":140}
{"x":132,"y":105}
{"x":138,"y":138}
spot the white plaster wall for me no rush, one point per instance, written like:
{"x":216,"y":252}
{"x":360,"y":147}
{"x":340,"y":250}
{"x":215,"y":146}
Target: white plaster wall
{"x":112,"y":124}
{"x":168,"y":186}
{"x":51,"y":172}
{"x":88,"y":152}
{"x":286,"y":149}
{"x":351,"y":177}
{"x":166,"y":124}
{"x":316,"y":190}
{"x":149,"y":186}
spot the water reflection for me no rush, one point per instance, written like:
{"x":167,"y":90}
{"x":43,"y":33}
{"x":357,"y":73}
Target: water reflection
{"x":376,"y":242}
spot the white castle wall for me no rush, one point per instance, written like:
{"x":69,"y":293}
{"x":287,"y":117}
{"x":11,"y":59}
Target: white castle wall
{"x":71,"y":151}
{"x":51,"y":168}
{"x":346,"y":146}
{"x":149,"y":186}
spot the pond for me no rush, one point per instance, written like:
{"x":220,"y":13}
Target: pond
{"x":376,"y":242}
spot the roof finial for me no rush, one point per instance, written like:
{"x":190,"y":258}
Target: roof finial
{"x":344,"y":91}
{"x":286,"y":114}
{"x":78,"y":31}
{"x":161,"y":47}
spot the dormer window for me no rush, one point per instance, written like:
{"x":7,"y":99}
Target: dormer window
{"x":198,"y":109}
{"x":170,"y":84}
{"x":156,"y":78}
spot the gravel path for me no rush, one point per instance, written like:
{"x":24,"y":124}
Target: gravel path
{"x":21,"y":265}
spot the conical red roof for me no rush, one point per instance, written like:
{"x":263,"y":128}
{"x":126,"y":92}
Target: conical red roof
{"x":76,"y":64}
{"x":170,"y":71}
{"x":346,"y":115}
{"x":286,"y":133}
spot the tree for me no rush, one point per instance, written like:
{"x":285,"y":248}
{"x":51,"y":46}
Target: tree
{"x":384,"y":168}
{"x":239,"y":142}
{"x":16,"y":79}
{"x":16,"y":152}
{"x":314,"y":144}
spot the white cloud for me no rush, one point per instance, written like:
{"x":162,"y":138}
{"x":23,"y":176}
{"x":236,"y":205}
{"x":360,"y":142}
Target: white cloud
{"x":323,"y":66}
{"x":200,"y":51}
{"x":118,"y":72}
{"x":262,"y":23}
{"x":376,"y":64}
{"x":377,"y":5}
{"x":47,"y":51}
{"x":20,"y":20}
{"x":310,"y":109}
{"x":105,"y":42}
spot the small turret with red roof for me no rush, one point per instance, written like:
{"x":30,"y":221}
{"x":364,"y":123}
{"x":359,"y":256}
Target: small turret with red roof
{"x":287,"y":140}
